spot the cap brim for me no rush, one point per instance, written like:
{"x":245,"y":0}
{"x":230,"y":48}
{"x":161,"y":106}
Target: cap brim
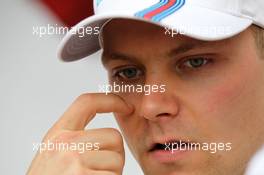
{"x":195,"y":22}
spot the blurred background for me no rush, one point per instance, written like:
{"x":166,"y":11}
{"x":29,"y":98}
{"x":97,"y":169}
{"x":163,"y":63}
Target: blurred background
{"x":36,"y":87}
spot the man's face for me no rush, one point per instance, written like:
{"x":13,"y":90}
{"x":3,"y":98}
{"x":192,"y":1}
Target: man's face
{"x":214,"y":93}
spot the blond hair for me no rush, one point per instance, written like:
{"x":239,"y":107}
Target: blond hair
{"x":258,"y":33}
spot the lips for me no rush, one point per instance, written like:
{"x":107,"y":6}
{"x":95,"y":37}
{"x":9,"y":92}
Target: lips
{"x":170,"y":145}
{"x":170,"y":150}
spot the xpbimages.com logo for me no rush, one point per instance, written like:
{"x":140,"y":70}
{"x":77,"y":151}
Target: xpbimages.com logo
{"x":126,"y":88}
{"x":56,"y":29}
{"x":191,"y":146}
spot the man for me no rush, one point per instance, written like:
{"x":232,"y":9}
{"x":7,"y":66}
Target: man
{"x":209,"y":118}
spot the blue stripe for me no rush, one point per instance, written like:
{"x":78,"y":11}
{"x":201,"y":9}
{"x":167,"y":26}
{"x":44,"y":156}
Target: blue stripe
{"x":168,"y":12}
{"x":152,"y":8}
{"x":98,"y":2}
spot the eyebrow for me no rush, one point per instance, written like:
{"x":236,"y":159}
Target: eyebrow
{"x":183,"y":48}
{"x":110,"y":56}
{"x":186,"y":47}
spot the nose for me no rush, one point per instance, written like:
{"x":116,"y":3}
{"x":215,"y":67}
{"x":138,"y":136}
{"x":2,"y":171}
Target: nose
{"x":159,"y":105}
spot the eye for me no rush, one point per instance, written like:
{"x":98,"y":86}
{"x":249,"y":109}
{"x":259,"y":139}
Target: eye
{"x":194,"y":63}
{"x":128,"y":73}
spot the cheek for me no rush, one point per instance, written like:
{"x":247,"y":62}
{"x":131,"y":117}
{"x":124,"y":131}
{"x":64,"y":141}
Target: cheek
{"x":225,"y":94}
{"x":228,"y":103}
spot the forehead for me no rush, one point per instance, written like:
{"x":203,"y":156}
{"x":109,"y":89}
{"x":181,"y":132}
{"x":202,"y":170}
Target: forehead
{"x":118,"y":30}
{"x":144,"y":39}
{"x":134,"y":31}
{"x":117,"y":25}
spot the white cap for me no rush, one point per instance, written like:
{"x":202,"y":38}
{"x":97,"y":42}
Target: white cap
{"x":207,"y":20}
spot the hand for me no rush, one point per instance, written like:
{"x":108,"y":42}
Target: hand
{"x":108,"y":160}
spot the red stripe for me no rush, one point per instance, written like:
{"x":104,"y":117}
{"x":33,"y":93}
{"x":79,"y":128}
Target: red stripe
{"x":161,"y":9}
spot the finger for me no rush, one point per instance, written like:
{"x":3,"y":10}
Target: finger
{"x":94,"y":172}
{"x":104,"y":138}
{"x":104,"y":160}
{"x":85,"y":107}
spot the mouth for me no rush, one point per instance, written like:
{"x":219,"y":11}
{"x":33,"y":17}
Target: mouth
{"x":171,"y":145}
{"x":171,"y":150}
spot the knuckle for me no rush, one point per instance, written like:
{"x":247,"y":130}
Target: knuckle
{"x":70,"y":158}
{"x":79,"y":170}
{"x":116,"y":136}
{"x":65,"y":136}
{"x":85,"y":97}
{"x":60,"y":143}
{"x":110,"y":173}
{"x":65,"y":158}
{"x":119,"y":159}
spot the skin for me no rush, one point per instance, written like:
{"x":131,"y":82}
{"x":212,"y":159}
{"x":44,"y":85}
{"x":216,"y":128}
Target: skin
{"x":220,"y":101}
{"x":108,"y":160}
